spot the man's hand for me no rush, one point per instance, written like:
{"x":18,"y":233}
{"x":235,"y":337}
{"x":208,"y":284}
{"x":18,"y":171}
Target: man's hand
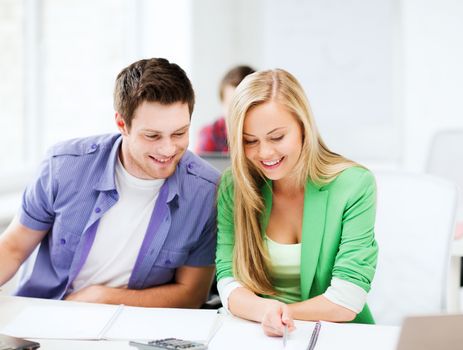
{"x":276,"y":317}
{"x":189,"y":290}
{"x":91,"y":294}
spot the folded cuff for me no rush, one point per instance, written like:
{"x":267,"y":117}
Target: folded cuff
{"x":226,"y":286}
{"x":346,"y":294}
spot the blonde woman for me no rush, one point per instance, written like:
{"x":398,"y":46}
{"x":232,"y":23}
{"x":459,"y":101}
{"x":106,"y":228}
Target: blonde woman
{"x":295,"y":220}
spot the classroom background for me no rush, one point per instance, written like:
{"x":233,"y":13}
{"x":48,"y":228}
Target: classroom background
{"x":383,"y":76}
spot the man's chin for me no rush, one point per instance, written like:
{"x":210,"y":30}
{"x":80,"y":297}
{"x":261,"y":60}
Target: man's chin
{"x":159,"y":170}
{"x":163,"y":173}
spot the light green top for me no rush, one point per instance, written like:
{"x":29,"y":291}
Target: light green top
{"x":285,"y":270}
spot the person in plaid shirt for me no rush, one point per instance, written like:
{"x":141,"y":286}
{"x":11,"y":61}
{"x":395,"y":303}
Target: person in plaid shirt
{"x":213,"y":137}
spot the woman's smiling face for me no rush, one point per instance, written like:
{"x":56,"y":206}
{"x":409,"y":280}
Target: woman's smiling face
{"x":272,"y":140}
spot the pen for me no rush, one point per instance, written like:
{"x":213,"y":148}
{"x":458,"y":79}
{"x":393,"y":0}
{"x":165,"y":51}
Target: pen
{"x":314,"y":337}
{"x":218,"y":321}
{"x":285,"y":335}
{"x":110,"y":322}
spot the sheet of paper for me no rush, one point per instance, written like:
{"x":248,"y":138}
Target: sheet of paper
{"x":350,"y":336}
{"x":60,"y":321}
{"x":240,"y":334}
{"x":136,"y":323}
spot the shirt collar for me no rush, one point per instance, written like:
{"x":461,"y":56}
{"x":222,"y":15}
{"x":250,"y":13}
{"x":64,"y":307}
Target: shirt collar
{"x":172,"y":183}
{"x":107,"y":182}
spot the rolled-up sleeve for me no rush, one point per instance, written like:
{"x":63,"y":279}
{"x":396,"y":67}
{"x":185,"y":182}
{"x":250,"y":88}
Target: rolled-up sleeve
{"x":36,"y":210}
{"x":358,"y":250}
{"x":346,"y":294}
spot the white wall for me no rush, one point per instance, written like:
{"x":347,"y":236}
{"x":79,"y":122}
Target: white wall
{"x":341,"y":52}
{"x":432,"y":39}
{"x":381,"y":75}
{"x":401,"y":60}
{"x":344,"y":54}
{"x":11,"y":79}
{"x":225,"y":33}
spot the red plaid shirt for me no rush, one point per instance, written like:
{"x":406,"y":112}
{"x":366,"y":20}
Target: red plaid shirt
{"x":213,"y":137}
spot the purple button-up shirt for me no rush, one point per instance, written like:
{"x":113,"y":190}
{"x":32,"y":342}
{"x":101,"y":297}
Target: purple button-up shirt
{"x":76,"y":188}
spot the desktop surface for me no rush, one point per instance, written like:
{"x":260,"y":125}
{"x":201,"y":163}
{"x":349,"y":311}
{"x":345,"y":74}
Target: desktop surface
{"x":233,"y":334}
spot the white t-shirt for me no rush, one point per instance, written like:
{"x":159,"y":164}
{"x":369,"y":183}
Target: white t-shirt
{"x":120,"y":232}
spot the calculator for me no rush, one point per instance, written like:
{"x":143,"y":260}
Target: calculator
{"x":169,"y":344}
{"x":12,"y":343}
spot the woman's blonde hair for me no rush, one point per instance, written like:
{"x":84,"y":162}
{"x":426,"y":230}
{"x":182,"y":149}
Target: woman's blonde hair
{"x":316,"y":163}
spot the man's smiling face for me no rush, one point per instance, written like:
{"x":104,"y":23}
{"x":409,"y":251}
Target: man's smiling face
{"x":156,"y":140}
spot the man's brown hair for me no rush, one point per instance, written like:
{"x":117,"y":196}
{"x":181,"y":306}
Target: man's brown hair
{"x":151,"y":80}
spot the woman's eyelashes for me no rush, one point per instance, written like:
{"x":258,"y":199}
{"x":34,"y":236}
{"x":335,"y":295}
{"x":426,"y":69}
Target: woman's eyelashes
{"x":272,"y":139}
{"x":249,"y":142}
{"x":277,"y":138}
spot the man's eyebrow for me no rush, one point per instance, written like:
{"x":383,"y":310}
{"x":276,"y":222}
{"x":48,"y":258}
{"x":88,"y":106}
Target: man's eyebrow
{"x":160,"y":132}
{"x":183,"y":127}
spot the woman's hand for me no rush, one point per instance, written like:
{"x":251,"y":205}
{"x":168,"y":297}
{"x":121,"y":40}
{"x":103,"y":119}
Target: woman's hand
{"x":275,"y":318}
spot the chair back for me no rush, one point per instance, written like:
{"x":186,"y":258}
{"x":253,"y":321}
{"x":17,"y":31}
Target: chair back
{"x":445,"y":159}
{"x":415,"y":219}
{"x":218,"y":160}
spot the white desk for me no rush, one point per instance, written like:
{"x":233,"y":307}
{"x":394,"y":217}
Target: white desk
{"x":234,"y":334}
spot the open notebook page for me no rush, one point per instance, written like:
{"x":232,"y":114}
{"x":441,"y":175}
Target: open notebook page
{"x":138,"y":323}
{"x":96,"y":321}
{"x":236,"y":333}
{"x":351,"y":336}
{"x":61,"y":321}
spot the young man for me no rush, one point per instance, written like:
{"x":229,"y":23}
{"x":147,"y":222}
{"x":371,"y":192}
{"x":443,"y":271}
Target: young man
{"x":127,"y":218}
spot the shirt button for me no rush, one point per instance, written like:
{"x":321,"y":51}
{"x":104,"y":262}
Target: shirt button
{"x":94,"y":146}
{"x":97,"y":210}
{"x":62,"y":241}
{"x":190,"y":165}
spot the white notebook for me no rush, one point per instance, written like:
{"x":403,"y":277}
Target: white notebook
{"x":239,"y":334}
{"x":353,"y":336}
{"x":96,"y":321}
{"x":236,"y":333}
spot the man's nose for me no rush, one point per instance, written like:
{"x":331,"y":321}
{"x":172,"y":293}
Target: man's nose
{"x":167,"y":148}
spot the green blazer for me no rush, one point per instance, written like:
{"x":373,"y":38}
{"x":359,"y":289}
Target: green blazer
{"x":337,"y":232}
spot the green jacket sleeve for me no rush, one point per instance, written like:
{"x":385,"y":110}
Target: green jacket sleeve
{"x":356,"y":259}
{"x":225,"y":227}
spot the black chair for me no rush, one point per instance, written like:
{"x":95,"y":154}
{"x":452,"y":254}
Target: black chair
{"x":213,"y":300}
